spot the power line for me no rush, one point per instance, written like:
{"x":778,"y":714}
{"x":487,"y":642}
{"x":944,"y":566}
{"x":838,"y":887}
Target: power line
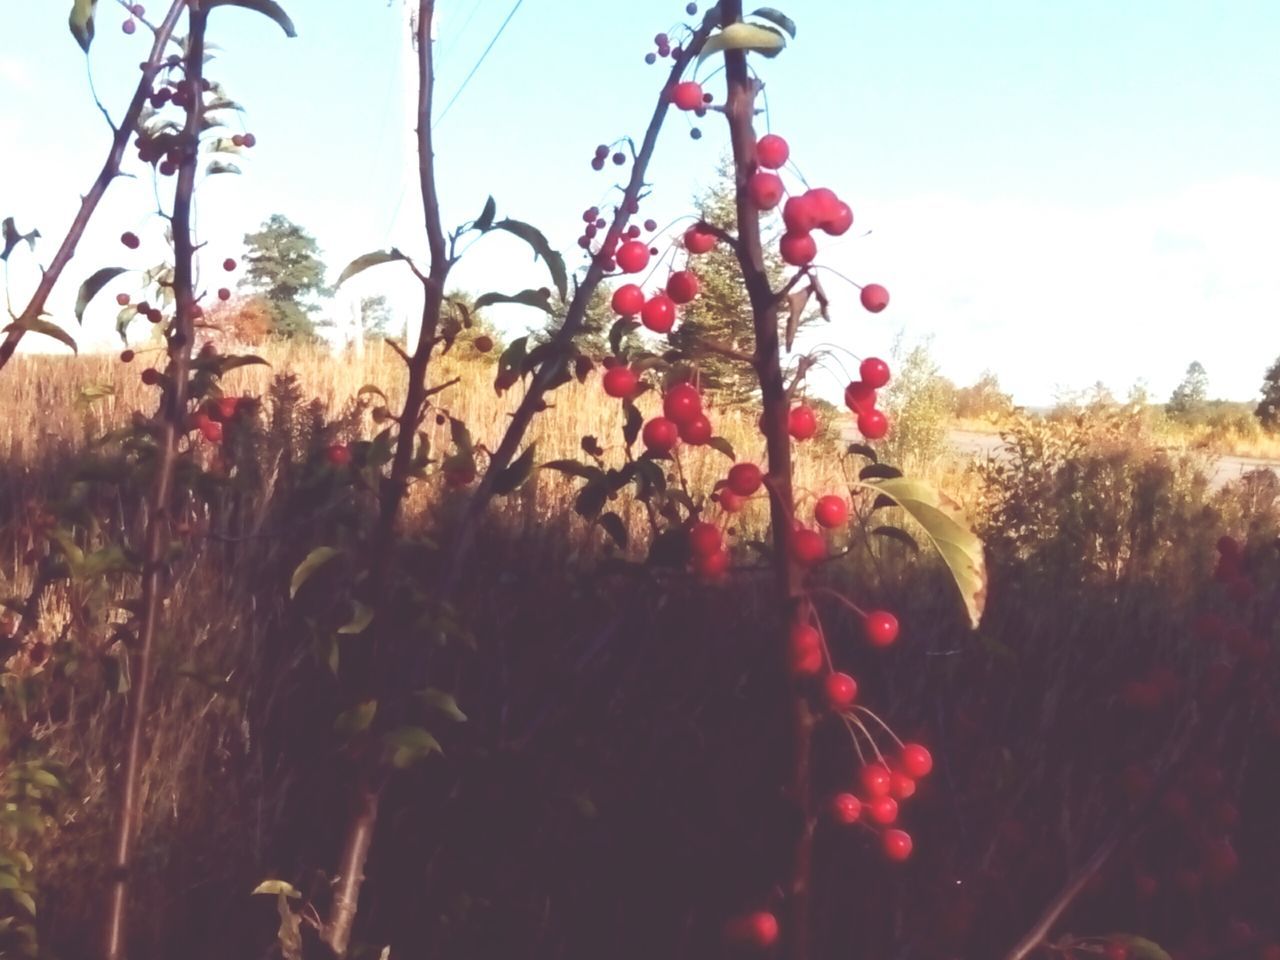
{"x":467,"y":79}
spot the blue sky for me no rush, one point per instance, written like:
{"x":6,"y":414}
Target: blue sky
{"x":1064,"y":193}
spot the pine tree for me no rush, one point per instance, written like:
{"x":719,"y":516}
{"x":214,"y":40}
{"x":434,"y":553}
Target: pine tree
{"x":1190,"y":396}
{"x":283,"y":265}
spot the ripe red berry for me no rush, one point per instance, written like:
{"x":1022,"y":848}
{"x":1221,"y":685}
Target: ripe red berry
{"x":122,"y":299}
{"x":228,"y":264}
{"x":897,"y":844}
{"x":620,"y":382}
{"x":916,"y":761}
{"x":874,"y":297}
{"x":660,"y":435}
{"x":745,"y":479}
{"x":338,"y":454}
{"x":874,"y":372}
{"x":859,"y":396}
{"x":713,"y":566}
{"x":801,"y":214}
{"x":730,"y":502}
{"x":698,"y":240}
{"x":826,"y":203}
{"x":798,"y":249}
{"x":837,"y":224}
{"x":876,"y":780}
{"x":696,"y":430}
{"x":628,"y":300}
{"x":802,"y":422}
{"x":804,"y":649}
{"x":130,"y":240}
{"x":808,"y":547}
{"x":151,"y":376}
{"x":772,"y":151}
{"x":873,"y":424}
{"x":766,"y":189}
{"x":883,"y":810}
{"x":227,"y":407}
{"x":224,"y":294}
{"x":659,"y":313}
{"x":250,"y":140}
{"x":682,"y":286}
{"x":126,"y":356}
{"x":900,"y":785}
{"x":212,"y":431}
{"x":687,"y":95}
{"x":682,"y":402}
{"x":831,"y":511}
{"x":705,"y":539}
{"x":845,"y":808}
{"x":758,"y":930}
{"x":632,"y":256}
{"x":881,"y":628}
{"x":841,"y":690}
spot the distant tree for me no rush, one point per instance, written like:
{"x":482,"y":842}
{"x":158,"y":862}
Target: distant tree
{"x":983,"y":398}
{"x":918,"y":403}
{"x":375,"y":316}
{"x":1268,"y":410}
{"x":1190,"y":396}
{"x":241,"y":321}
{"x":283,"y":265}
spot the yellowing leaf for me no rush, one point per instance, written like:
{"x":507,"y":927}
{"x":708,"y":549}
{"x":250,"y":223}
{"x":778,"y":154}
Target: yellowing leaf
{"x":316,"y":559}
{"x":744,"y":36}
{"x":277,"y":886}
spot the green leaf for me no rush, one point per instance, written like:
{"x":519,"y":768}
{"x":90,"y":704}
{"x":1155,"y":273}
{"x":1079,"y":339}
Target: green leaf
{"x":443,"y":703}
{"x":879,"y":471}
{"x":316,"y":559}
{"x":574,"y":469}
{"x":724,"y":446}
{"x":110,"y":559}
{"x":91,"y":287}
{"x":515,"y":474}
{"x":407,"y":745}
{"x":777,"y":18}
{"x":615,"y":528}
{"x":356,"y":720}
{"x":365,"y":261}
{"x":81,"y":23}
{"x":528,"y":298}
{"x":360,"y":620}
{"x":897,"y":533}
{"x":949,"y":529}
{"x":277,"y":887}
{"x":268,"y":8}
{"x":39,"y":325}
{"x":1140,"y":948}
{"x":744,"y":36}
{"x":541,"y":248}
{"x":224,"y":363}
{"x":485,"y":220}
{"x":862,"y":450}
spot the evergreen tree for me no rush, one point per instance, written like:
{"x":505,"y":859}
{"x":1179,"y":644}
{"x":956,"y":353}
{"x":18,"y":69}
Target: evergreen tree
{"x":1190,"y":396}
{"x":1268,"y":410}
{"x":283,"y":265}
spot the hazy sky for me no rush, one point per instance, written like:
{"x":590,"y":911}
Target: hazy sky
{"x":1064,"y":193}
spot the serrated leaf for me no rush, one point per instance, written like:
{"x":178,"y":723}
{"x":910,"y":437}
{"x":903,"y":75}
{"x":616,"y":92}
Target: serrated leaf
{"x":367,"y":260}
{"x":316,"y":559}
{"x":541,"y":248}
{"x":879,"y":471}
{"x":485,"y":220}
{"x":515,"y":474}
{"x":615,"y":528}
{"x":724,"y":446}
{"x":355,"y":720}
{"x":862,"y":450}
{"x":407,"y":745}
{"x":777,"y":18}
{"x":527,"y":298}
{"x":443,"y":703}
{"x":946,"y":525}
{"x":744,"y":36}
{"x":268,"y":8}
{"x":81,"y":22}
{"x":274,"y":887}
{"x":39,"y":325}
{"x":898,"y":534}
{"x":90,"y":288}
{"x":360,"y":620}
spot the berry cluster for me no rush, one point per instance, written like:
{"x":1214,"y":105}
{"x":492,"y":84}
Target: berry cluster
{"x":860,"y":397}
{"x":130,"y":24}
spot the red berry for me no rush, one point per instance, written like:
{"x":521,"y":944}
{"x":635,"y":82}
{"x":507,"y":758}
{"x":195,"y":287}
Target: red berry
{"x":831,"y":511}
{"x":682,"y":286}
{"x":758,"y":930}
{"x":122,"y":299}
{"x":883,"y":810}
{"x":660,"y":435}
{"x":698,"y":240}
{"x":801,"y":214}
{"x":900,"y":785}
{"x":628,"y":300}
{"x":841,"y":690}
{"x":227,"y":407}
{"x":874,"y":297}
{"x":696,"y":430}
{"x":705,"y":539}
{"x":620,"y":382}
{"x":845,"y":808}
{"x":873,"y":424}
{"x":151,"y":376}
{"x":876,"y":780}
{"x":126,"y":356}
{"x":766,"y":189}
{"x":802,"y":422}
{"x":228,"y":264}
{"x":224,"y":294}
{"x":659,"y":313}
{"x":1115,"y":951}
{"x":897,"y":844}
{"x":798,"y":249}
{"x":745,"y":479}
{"x":916,"y":761}
{"x":859,"y":396}
{"x":825,"y":202}
{"x":130,"y":240}
{"x":804,"y":649}
{"x":713,"y":566}
{"x":212,"y":431}
{"x":874,"y":372}
{"x":338,"y":454}
{"x":808,"y":547}
{"x":482,"y":344}
{"x":687,"y":95}
{"x":250,"y":140}
{"x":730,"y":502}
{"x":682,"y":402}
{"x":772,"y":151}
{"x":632,"y":256}
{"x":838,"y":223}
{"x":881,"y":628}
